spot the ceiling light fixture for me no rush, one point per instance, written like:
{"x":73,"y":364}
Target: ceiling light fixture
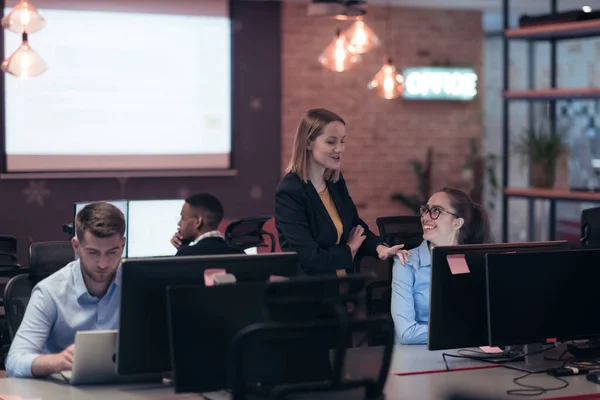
{"x":24,"y":63}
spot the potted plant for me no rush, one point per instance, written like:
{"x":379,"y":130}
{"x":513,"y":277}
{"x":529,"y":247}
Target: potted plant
{"x":542,"y":147}
{"x":422,"y":172}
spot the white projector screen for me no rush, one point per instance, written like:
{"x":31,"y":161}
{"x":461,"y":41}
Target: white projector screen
{"x":123,"y":91}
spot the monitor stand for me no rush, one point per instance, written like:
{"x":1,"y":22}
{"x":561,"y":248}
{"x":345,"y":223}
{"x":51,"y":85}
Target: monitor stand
{"x":589,"y":350}
{"x":536,"y":358}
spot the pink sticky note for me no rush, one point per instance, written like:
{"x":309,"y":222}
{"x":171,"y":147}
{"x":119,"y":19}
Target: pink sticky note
{"x":209,"y":275}
{"x":491,"y":350}
{"x":277,"y":278}
{"x":458,"y":264}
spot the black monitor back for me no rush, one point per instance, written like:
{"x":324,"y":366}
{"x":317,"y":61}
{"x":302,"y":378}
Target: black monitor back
{"x":200,"y":337}
{"x":457,"y":309}
{"x":535,"y":297}
{"x":143,"y":345}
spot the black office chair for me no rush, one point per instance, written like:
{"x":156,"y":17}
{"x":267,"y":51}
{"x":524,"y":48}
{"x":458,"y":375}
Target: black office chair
{"x":248,"y":232}
{"x":45,"y":258}
{"x":16,"y":297}
{"x":309,"y":321}
{"x":8,"y":251}
{"x":378,"y":292}
{"x":404,"y":229}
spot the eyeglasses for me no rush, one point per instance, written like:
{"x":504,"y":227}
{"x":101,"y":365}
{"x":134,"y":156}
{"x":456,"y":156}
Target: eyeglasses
{"x":434,"y":212}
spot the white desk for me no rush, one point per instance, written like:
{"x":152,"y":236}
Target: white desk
{"x":491,"y":382}
{"x":408,"y":359}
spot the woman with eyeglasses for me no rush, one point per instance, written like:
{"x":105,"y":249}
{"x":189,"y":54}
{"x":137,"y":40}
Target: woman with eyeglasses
{"x":449,"y":218}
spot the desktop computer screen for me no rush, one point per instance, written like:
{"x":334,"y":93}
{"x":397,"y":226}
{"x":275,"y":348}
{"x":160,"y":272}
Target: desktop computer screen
{"x":457,"y":309}
{"x":120,"y":204}
{"x":151,"y":225}
{"x":535,"y":297}
{"x":143,"y":345}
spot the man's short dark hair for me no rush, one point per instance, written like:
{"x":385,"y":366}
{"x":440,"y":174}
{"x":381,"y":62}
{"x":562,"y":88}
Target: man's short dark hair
{"x":208,"y":207}
{"x":101,"y":219}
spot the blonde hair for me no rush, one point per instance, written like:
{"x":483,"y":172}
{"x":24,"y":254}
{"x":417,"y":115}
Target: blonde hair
{"x":312,"y":125}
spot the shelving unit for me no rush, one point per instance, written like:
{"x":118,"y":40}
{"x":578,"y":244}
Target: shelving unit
{"x":553,"y":94}
{"x":563,"y":30}
{"x":550,"y":33}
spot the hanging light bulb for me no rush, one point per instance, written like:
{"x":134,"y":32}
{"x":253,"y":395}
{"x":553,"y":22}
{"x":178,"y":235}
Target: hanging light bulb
{"x":23,"y":18}
{"x":387,"y":83}
{"x":337,"y":56}
{"x":25,"y":62}
{"x":361,"y":38}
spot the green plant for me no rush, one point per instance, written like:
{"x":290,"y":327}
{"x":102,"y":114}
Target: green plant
{"x":473,"y":154}
{"x":423,"y":174}
{"x":541,"y":145}
{"x":483,"y":166}
{"x":490,"y":162}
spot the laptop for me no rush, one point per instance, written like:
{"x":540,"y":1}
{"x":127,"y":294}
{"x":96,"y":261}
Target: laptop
{"x":94,"y":360}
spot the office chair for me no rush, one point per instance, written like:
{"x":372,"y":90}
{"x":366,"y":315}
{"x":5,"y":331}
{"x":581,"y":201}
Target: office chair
{"x":378,"y":291}
{"x":406,"y":230}
{"x":8,"y":250}
{"x":590,"y":228}
{"x":16,"y":297}
{"x":304,"y":317}
{"x":248,"y":232}
{"x":45,"y":258}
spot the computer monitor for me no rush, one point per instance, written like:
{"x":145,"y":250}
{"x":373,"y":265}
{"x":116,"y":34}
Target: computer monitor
{"x":143,"y":345}
{"x":120,"y":204}
{"x":457,"y":309}
{"x":539,"y":296}
{"x":200,"y":336}
{"x":152,"y":224}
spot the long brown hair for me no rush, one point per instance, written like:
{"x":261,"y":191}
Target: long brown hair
{"x":476,"y":228}
{"x":311,"y":126}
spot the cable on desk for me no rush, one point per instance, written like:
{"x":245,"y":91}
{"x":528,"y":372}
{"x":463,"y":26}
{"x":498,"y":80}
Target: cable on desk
{"x":530,"y":391}
{"x":491,"y":358}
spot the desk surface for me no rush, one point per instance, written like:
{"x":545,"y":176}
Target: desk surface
{"x":491,"y":382}
{"x":413,"y":359}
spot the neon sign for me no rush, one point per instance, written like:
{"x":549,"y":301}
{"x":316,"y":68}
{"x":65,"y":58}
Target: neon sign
{"x":439,"y":83}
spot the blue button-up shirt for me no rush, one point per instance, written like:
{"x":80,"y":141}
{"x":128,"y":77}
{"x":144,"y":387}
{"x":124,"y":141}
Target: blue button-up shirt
{"x":410,"y":296}
{"x":59,"y":306}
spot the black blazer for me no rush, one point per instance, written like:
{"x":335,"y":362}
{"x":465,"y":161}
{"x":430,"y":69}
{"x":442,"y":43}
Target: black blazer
{"x":208,"y":246}
{"x":304,"y":226}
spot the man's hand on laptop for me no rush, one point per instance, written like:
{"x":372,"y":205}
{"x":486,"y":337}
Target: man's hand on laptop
{"x":64,"y":359}
{"x":48,"y":364}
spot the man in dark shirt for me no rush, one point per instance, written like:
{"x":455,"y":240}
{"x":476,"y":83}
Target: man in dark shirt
{"x":198,"y":233}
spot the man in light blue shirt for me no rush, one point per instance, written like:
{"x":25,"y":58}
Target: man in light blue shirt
{"x":410,"y":296}
{"x":84,"y":295}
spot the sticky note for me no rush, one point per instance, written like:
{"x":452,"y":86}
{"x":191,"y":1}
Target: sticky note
{"x":458,"y":264}
{"x":491,"y":350}
{"x":277,"y":278}
{"x":209,"y":275}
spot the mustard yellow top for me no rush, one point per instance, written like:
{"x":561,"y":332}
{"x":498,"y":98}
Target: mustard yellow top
{"x":333,"y":213}
{"x":335,"y":217}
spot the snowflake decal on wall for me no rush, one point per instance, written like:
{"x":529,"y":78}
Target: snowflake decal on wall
{"x":36,"y":192}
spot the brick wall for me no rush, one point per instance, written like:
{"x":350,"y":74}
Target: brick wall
{"x":384,"y":135}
